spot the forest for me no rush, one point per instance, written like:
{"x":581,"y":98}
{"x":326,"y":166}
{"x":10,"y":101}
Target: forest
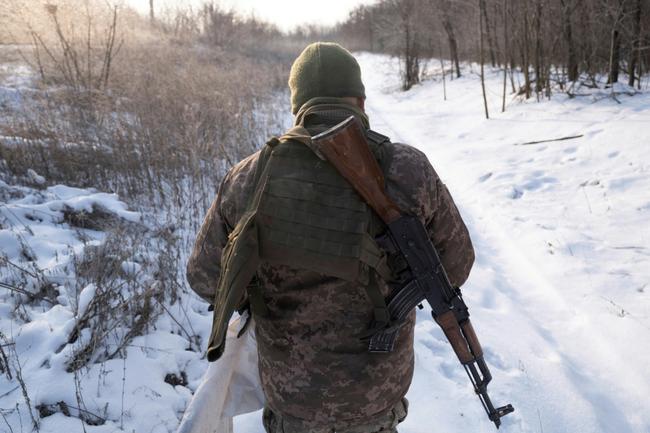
{"x":555,"y":43}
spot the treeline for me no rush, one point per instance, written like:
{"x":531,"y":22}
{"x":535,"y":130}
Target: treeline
{"x":552,"y":42}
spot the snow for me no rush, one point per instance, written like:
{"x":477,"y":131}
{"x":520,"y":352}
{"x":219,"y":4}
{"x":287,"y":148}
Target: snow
{"x":85,"y":200}
{"x":559,"y":291}
{"x":559,"y":294}
{"x":85,"y":297}
{"x":130,"y":395}
{"x":35,"y":177}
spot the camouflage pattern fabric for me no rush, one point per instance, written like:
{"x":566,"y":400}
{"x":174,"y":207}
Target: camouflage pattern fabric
{"x":383,"y":423}
{"x":315,"y":371}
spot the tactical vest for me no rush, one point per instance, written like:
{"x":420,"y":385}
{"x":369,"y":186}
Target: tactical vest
{"x":304,"y":214}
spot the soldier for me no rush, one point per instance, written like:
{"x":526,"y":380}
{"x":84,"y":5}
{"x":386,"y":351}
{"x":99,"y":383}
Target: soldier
{"x":289,"y":237}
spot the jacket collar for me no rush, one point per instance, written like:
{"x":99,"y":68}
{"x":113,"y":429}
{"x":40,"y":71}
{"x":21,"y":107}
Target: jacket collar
{"x":327,"y":111}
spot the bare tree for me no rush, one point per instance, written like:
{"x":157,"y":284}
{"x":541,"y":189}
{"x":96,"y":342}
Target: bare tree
{"x":538,"y":61}
{"x":451,"y":36}
{"x":549,"y":41}
{"x":407,"y":40}
{"x":568,"y":7}
{"x":488,"y":33}
{"x":505,"y":54}
{"x":525,"y":49}
{"x":480,"y":19}
{"x":615,"y":48}
{"x":635,"y":51}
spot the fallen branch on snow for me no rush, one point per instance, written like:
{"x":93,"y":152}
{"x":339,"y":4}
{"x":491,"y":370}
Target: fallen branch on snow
{"x":571,"y":137}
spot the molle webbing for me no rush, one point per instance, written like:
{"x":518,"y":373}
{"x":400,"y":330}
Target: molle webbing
{"x":303,"y":214}
{"x":311,"y":218}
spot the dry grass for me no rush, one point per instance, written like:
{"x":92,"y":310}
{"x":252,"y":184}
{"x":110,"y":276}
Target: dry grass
{"x":160,"y":126}
{"x":169,"y":111}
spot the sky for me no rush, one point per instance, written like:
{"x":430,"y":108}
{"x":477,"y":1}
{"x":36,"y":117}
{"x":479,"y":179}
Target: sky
{"x":287,"y":14}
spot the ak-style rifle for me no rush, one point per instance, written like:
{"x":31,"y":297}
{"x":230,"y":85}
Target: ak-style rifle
{"x":421,"y":275}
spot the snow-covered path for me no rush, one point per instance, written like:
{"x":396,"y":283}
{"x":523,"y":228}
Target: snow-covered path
{"x":559,"y":293}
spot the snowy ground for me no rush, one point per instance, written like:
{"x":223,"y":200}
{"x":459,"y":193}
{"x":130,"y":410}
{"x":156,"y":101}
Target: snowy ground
{"x":560,"y":293}
{"x":44,"y":246}
{"x":62,"y":250}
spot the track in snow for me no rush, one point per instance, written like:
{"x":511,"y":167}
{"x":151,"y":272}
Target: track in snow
{"x":559,"y":291}
{"x":547,"y":355}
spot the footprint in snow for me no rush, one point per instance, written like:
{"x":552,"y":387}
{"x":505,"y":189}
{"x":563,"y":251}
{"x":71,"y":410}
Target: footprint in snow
{"x":485,"y":177}
{"x":450,"y":370}
{"x":624,"y":183}
{"x":595,"y":132}
{"x":435,"y":346}
{"x":565,"y":160}
{"x":496,"y":360}
{"x":488,"y":301}
{"x":538,"y":182}
{"x":515,"y":193}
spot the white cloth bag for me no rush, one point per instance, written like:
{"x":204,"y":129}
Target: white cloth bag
{"x":230,"y":387}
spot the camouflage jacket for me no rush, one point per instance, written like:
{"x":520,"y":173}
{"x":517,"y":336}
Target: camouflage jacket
{"x":314,"y":368}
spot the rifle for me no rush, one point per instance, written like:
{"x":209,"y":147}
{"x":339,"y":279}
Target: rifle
{"x":420,"y":274}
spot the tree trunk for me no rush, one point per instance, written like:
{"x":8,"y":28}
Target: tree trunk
{"x":526,"y":52}
{"x":539,"y":76}
{"x":634,"y":52}
{"x":407,"y":58}
{"x":615,"y":47}
{"x":497,"y":48}
{"x":411,"y":49}
{"x":451,"y":37}
{"x":615,"y":57}
{"x":509,"y":17}
{"x":513,"y":66}
{"x":640,"y":64}
{"x":411,"y":58}
{"x":371,"y":29}
{"x":484,"y":13}
{"x":151,"y":13}
{"x":505,"y":54}
{"x":572,"y":62}
{"x":480,"y":19}
{"x":444,"y":79}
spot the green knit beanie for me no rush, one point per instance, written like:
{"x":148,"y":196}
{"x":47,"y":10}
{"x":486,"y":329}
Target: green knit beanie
{"x":324,"y":69}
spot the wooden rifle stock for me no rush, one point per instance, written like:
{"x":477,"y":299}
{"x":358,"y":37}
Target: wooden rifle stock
{"x":346,"y":148}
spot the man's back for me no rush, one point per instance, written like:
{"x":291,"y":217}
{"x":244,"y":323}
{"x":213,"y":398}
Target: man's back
{"x":313,"y":364}
{"x":316,"y":370}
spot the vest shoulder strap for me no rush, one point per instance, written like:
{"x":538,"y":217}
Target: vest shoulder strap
{"x":239,"y":260}
{"x":301,"y":134}
{"x":376,"y":137}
